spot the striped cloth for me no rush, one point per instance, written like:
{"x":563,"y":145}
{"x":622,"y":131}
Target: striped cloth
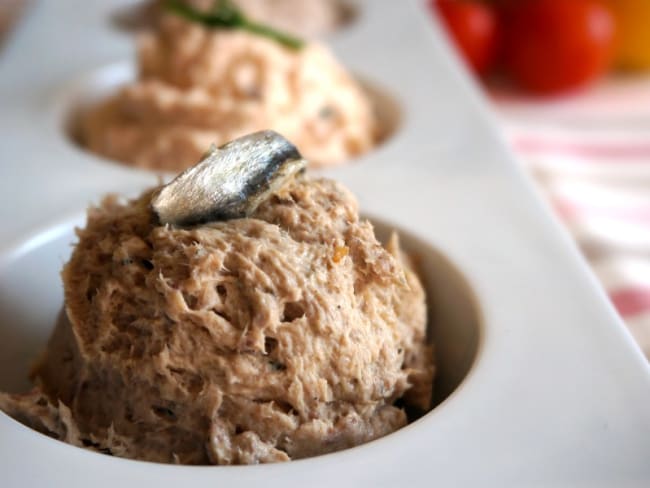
{"x":598,"y":182}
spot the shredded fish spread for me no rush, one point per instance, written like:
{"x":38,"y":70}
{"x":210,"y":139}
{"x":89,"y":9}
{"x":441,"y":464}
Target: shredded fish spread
{"x":198,"y":86}
{"x":284,"y":335}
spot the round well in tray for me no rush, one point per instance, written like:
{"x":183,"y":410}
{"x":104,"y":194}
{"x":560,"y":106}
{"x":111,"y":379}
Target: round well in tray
{"x":94,"y":87}
{"x":31,"y":297}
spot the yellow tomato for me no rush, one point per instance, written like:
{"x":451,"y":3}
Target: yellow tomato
{"x":633,"y":18}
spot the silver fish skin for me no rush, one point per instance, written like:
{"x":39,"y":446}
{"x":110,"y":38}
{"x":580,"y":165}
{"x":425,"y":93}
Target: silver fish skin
{"x":230,"y":182}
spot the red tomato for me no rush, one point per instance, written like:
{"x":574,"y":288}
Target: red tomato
{"x":474,"y":28}
{"x":557,"y":45}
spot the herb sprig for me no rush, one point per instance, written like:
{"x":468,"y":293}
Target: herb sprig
{"x":226,"y":15}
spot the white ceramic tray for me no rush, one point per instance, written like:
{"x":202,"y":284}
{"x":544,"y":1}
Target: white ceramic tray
{"x":557,"y":392}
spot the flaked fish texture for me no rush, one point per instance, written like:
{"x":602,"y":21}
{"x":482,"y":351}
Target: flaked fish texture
{"x":230,"y":181}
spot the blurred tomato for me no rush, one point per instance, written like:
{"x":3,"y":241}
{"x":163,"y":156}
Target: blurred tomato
{"x":474,"y":28}
{"x":557,"y":45}
{"x":633,"y":47}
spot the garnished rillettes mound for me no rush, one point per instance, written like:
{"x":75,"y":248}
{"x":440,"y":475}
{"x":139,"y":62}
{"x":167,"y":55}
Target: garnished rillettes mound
{"x":287,"y":334}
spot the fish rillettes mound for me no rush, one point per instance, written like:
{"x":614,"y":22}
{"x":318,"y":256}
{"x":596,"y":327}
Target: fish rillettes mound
{"x":289,"y":333}
{"x":197,"y":86}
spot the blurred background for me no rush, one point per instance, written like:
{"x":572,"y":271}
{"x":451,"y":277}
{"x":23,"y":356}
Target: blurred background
{"x":569,"y":83}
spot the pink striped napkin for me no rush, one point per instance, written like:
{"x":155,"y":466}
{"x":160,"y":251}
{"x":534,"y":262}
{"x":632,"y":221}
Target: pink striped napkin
{"x":598,"y":182}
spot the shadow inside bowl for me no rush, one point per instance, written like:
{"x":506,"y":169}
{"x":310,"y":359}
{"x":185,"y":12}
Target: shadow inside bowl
{"x":30,"y":299}
{"x":454,"y":316}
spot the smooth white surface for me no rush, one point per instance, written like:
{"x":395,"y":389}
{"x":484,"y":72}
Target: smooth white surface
{"x":559,"y":396}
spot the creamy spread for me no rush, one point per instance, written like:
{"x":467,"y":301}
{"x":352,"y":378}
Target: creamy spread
{"x":198,"y":86}
{"x":287,"y":334}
